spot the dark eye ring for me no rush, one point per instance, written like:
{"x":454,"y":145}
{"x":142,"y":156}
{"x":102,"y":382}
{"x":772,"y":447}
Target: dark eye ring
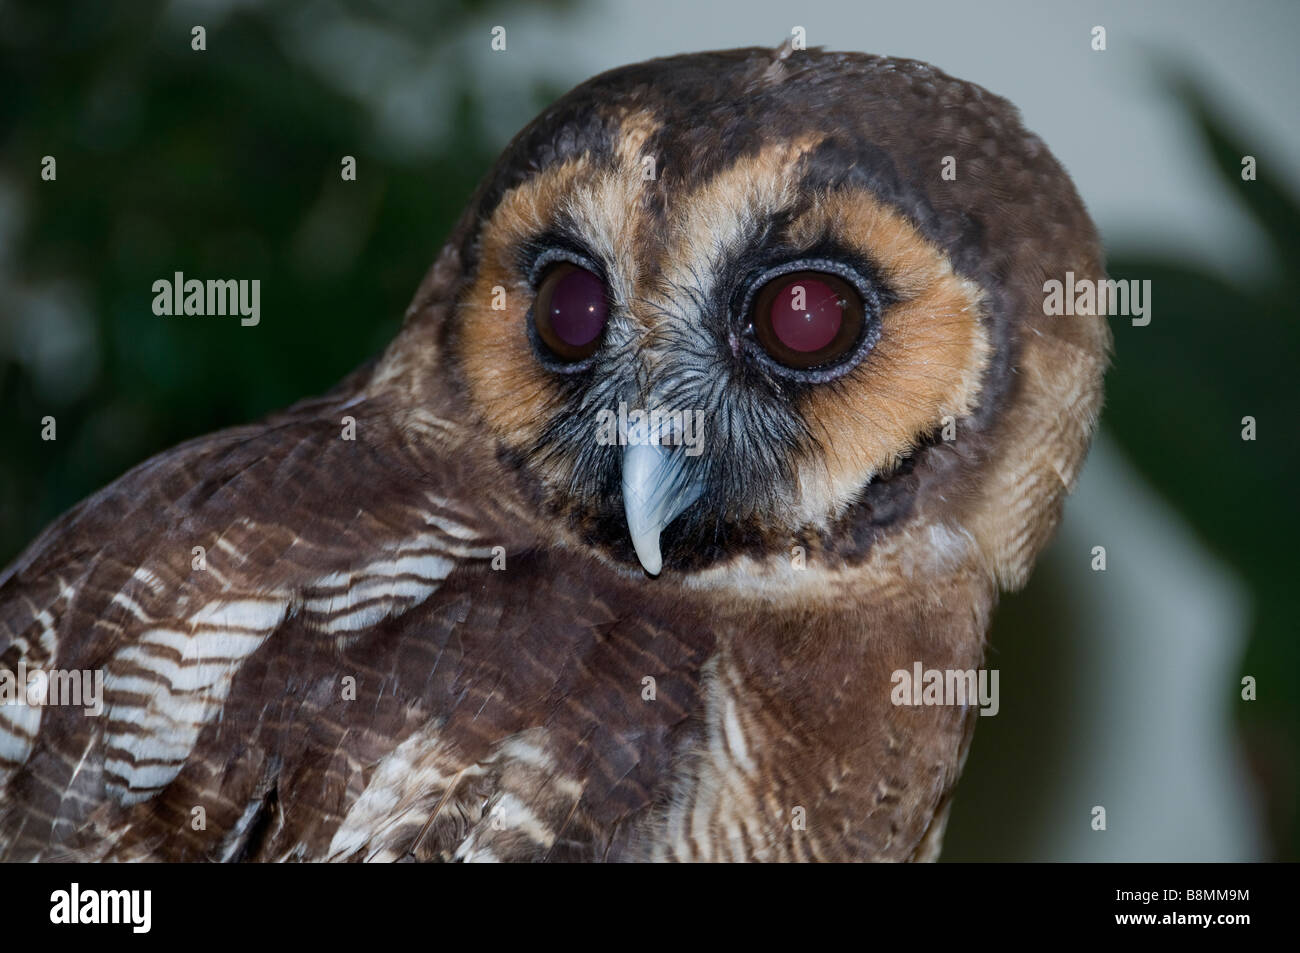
{"x":810,"y":320}
{"x":570,"y":312}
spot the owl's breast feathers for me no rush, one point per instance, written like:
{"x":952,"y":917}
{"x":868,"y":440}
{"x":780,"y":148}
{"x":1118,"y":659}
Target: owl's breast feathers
{"x":343,"y":675}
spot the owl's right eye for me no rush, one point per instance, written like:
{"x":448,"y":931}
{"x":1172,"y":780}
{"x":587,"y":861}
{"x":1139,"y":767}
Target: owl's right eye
{"x":808,"y":319}
{"x":570,"y":312}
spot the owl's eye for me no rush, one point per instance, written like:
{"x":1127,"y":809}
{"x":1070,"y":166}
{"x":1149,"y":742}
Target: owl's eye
{"x":807,"y":319}
{"x":570,"y":312}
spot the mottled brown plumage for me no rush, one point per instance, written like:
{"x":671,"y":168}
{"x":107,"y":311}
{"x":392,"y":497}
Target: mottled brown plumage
{"x":505,"y":711}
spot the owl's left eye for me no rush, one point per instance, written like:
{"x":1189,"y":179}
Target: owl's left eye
{"x":808,"y":319}
{"x":570,"y":312}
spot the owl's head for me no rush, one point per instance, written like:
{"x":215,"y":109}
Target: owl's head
{"x":719,"y":308}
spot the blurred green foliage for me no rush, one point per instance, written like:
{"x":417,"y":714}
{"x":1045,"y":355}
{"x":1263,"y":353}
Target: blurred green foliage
{"x":1214,"y":353}
{"x":218,"y":164}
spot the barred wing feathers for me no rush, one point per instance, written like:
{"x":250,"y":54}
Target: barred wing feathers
{"x":494,"y":714}
{"x":281,"y":539}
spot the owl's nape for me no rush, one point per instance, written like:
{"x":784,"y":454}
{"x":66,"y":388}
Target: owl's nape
{"x":721,"y":404}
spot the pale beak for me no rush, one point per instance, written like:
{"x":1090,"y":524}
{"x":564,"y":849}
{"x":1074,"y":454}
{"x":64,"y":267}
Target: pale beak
{"x":656,"y":490}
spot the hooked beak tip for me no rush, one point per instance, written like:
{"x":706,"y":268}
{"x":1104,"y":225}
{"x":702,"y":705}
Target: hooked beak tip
{"x":652,"y":561}
{"x":655,"y":492}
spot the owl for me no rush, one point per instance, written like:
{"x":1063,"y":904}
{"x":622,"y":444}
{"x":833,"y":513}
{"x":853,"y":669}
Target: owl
{"x":731,"y":398}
